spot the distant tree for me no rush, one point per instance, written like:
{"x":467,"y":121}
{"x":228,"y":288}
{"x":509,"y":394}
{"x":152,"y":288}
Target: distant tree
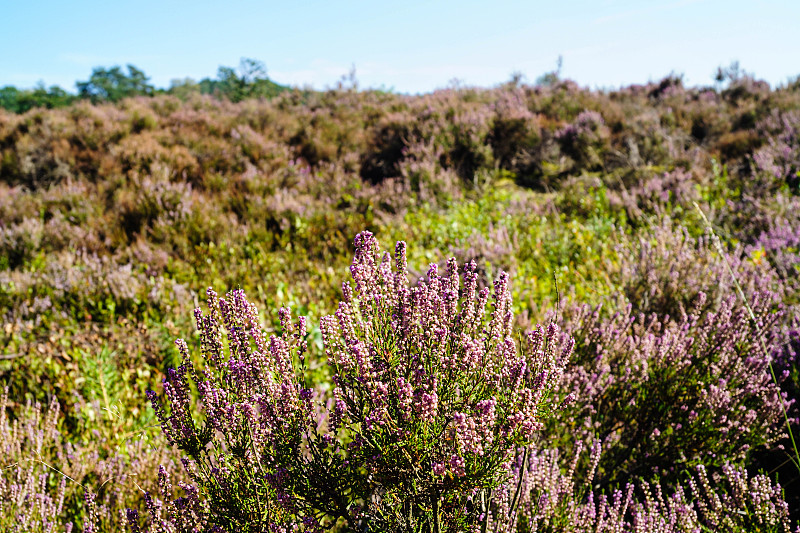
{"x":551,"y":79}
{"x":516,"y":79}
{"x":731,"y":73}
{"x":9,"y":98}
{"x":249,"y":81}
{"x":252,"y":70}
{"x":22,"y":100}
{"x":113,"y":84}
{"x":184,"y":87}
{"x":208,"y":86}
{"x":50,"y":98}
{"x":230,"y":84}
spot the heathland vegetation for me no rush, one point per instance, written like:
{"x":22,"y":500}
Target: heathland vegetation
{"x":653,"y":231}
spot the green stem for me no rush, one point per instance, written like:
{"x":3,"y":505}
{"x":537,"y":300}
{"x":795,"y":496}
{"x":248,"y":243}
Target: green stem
{"x":718,"y":245}
{"x":437,"y":527}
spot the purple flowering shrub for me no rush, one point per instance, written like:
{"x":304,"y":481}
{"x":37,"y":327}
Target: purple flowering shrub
{"x":246,"y":452}
{"x":26,"y":504}
{"x":780,"y":244}
{"x":435,"y":397}
{"x":655,"y":194}
{"x":515,"y":128}
{"x":432,"y":398}
{"x":665,"y":268}
{"x":19,"y":242}
{"x":422,"y":174}
{"x":584,"y":140}
{"x":557,"y":495}
{"x":780,"y":157}
{"x":764,"y":206}
{"x":155,"y":204}
{"x":666,"y":394}
{"x":45,"y":473}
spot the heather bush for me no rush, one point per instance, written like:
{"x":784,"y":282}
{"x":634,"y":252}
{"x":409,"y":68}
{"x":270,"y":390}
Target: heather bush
{"x":19,"y":243}
{"x":780,"y":244}
{"x":422,"y":173}
{"x":655,"y":194}
{"x":431,"y":397}
{"x":155,"y":205}
{"x":666,"y":394}
{"x":86,"y":284}
{"x":665,"y":268}
{"x":515,"y":128}
{"x":44,"y":476}
{"x":583,"y":140}
{"x":557,"y":495}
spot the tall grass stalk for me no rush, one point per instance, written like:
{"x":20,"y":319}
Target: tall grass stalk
{"x":796,"y":459}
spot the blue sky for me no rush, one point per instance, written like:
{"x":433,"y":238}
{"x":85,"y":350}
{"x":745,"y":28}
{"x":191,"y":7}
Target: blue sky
{"x":411,"y":46}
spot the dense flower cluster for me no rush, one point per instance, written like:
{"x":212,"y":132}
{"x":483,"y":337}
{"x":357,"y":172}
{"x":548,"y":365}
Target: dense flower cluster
{"x":431,"y":398}
{"x":559,"y":496}
{"x":44,"y":478}
{"x":435,"y":393}
{"x":662,"y":394}
{"x":780,"y":158}
{"x":256,"y":413}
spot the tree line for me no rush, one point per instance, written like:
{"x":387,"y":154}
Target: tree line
{"x":112,"y":84}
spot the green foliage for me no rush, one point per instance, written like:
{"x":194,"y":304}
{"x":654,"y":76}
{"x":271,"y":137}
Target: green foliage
{"x":250,"y":81}
{"x":22,"y":100}
{"x":112,"y":84}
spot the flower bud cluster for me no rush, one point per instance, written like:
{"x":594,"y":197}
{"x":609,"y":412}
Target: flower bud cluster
{"x":552,"y":497}
{"x":666,"y":394}
{"x":431,"y":396}
{"x":429,"y":379}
